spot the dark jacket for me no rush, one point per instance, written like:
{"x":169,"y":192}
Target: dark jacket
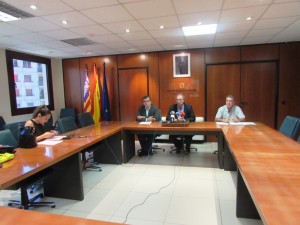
{"x":188,"y":110}
{"x":154,"y":112}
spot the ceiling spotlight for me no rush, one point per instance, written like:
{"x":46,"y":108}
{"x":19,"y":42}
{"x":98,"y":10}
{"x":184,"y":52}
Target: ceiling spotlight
{"x":199,"y":23}
{"x":127,"y":30}
{"x":33,"y":7}
{"x":249,"y":18}
{"x":161,"y":27}
{"x":64,"y":22}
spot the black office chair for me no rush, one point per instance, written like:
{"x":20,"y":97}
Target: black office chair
{"x":290,"y":127}
{"x":155,"y":146}
{"x":66,"y":124}
{"x":66,"y":112}
{"x":15,"y":128}
{"x":7,"y":138}
{"x":182,"y":139}
{"x":86,"y":119}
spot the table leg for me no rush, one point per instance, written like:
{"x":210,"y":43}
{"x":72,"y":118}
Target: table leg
{"x":244,"y":204}
{"x":128,"y":145}
{"x":66,"y":179}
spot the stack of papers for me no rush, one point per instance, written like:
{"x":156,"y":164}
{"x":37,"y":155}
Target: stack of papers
{"x":52,"y":141}
{"x":146,"y":123}
{"x":236,"y":123}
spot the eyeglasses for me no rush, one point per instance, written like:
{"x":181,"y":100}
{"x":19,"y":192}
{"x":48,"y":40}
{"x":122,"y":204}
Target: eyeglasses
{"x":146,"y":100}
{"x":179,"y":99}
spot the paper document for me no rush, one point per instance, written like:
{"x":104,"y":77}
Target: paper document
{"x":56,"y":138}
{"x":236,"y":123}
{"x":146,"y":123}
{"x":48,"y":142}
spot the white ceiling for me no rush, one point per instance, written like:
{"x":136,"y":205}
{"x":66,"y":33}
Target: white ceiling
{"x":104,"y":22}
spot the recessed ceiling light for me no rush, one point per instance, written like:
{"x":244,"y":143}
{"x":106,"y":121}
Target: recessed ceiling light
{"x":127,"y":30}
{"x":249,"y":18}
{"x":33,"y":7}
{"x":199,"y":23}
{"x":178,"y":46}
{"x":64,"y":22}
{"x":161,"y":27}
{"x":200,"y":30}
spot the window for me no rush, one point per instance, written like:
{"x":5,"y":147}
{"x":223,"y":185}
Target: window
{"x":29,"y":81}
{"x":27,"y":78}
{"x":29,"y":92}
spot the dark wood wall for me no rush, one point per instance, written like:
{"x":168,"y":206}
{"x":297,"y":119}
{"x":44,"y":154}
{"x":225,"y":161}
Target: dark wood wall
{"x":162,"y":86}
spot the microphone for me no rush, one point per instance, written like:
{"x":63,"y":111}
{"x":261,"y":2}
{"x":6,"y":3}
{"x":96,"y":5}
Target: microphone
{"x":172,"y":116}
{"x":182,"y":114}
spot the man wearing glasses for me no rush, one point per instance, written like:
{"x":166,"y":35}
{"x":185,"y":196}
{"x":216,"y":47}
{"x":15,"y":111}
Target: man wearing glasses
{"x":147,"y":112}
{"x":182,"y":111}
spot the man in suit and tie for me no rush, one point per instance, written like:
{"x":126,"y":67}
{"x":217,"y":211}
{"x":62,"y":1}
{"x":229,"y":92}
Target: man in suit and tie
{"x":182,"y":111}
{"x":147,"y":112}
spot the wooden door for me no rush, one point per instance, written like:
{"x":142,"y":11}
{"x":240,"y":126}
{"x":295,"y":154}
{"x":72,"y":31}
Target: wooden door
{"x":258,"y":92}
{"x":133,"y":85}
{"x":222,"y":80}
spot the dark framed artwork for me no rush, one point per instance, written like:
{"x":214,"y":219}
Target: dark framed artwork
{"x":181,"y":65}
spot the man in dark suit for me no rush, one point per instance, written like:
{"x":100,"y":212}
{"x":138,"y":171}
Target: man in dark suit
{"x":182,"y":111}
{"x":147,"y":112}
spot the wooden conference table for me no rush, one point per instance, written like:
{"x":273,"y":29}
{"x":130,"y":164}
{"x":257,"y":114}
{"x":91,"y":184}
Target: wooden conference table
{"x":268,"y":163}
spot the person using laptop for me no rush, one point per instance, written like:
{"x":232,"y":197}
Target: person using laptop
{"x":230,"y":112}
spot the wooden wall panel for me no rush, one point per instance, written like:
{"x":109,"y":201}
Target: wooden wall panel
{"x":153,"y":78}
{"x":132,"y":87}
{"x":72,"y":84}
{"x":132,"y":60}
{"x":222,"y":80}
{"x":258,"y":92}
{"x":289,"y":80}
{"x":189,"y":86}
{"x":221,"y":55}
{"x":260,"y":52}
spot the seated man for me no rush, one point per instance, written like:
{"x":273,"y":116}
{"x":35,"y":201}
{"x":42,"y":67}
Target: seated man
{"x":147,"y":112}
{"x":187,"y":112}
{"x":229,"y":112}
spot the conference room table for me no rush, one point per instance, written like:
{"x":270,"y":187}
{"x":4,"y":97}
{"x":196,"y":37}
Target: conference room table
{"x":268,"y":165}
{"x":156,"y":128}
{"x":65,"y":181}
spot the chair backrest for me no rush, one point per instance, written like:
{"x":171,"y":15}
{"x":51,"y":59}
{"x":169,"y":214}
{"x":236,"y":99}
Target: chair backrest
{"x":15,"y":127}
{"x":290,"y":127}
{"x":7,"y":138}
{"x":298,"y":139}
{"x":66,"y":124}
{"x":2,"y":123}
{"x":67,"y":112}
{"x":85,"y":119}
{"x":199,"y":119}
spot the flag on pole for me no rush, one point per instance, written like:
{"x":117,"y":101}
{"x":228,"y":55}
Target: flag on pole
{"x":106,"y":114}
{"x":96,"y":103}
{"x":87,"y":107}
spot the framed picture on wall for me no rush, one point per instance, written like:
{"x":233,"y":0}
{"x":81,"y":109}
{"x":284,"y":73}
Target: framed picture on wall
{"x":181,"y":65}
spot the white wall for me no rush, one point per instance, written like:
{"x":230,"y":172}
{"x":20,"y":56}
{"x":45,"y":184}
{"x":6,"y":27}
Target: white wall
{"x":58,"y":91}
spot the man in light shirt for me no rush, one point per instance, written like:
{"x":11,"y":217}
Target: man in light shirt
{"x":230,"y":112}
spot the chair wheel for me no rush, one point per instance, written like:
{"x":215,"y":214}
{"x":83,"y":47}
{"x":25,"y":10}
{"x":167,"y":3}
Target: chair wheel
{"x":53,"y":206}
